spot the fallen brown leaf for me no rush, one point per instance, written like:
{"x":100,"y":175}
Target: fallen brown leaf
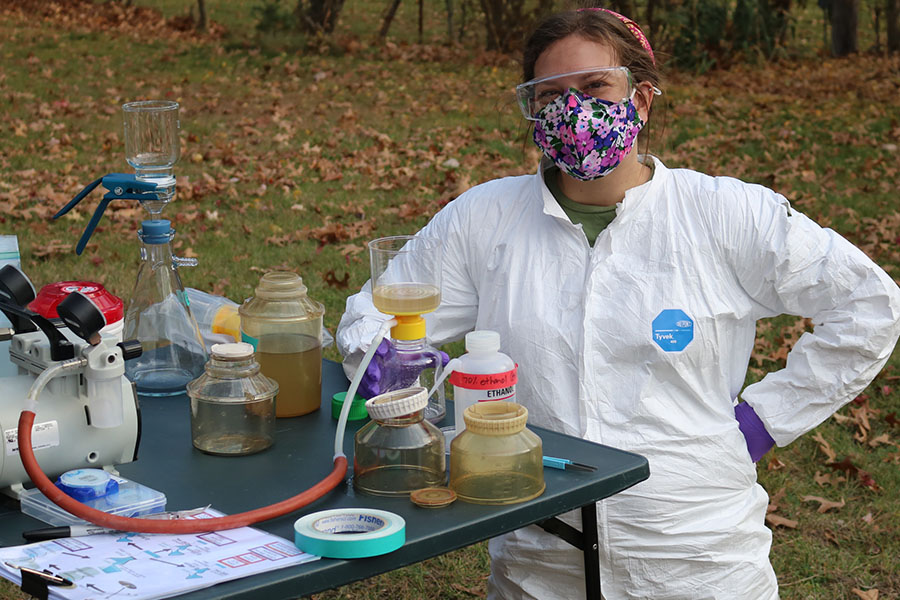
{"x":892,"y":420}
{"x":845,"y":465}
{"x":775,"y":499}
{"x":822,"y":480}
{"x":881,"y":439}
{"x":471,"y":591}
{"x":824,"y":504}
{"x":331,"y":279}
{"x":830,"y":537}
{"x":774,"y":464}
{"x":825,"y":447}
{"x":867,"y":595}
{"x":779,"y":521}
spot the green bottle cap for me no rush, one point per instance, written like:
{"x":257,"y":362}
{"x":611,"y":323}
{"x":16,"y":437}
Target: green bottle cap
{"x":357,"y":409}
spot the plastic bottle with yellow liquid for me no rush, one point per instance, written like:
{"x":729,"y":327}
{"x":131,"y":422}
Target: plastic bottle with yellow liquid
{"x":284,"y":325}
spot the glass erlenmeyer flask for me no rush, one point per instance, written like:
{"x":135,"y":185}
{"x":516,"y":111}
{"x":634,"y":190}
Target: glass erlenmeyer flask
{"x":159,"y":316}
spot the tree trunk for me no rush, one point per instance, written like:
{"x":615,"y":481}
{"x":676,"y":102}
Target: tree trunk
{"x":650,"y":20}
{"x":201,"y":15}
{"x":322,"y":15}
{"x":892,"y":24}
{"x":421,"y":18}
{"x":449,"y":4}
{"x":388,"y":19}
{"x":844,"y":15}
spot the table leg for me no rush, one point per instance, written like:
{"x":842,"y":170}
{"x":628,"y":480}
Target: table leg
{"x":591,"y":551}
{"x":587,"y":541}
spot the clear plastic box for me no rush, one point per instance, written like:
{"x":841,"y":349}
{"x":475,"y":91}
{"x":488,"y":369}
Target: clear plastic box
{"x":132,"y":500}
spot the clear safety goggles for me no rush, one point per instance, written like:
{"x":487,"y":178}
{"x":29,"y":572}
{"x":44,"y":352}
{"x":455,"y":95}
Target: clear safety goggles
{"x":613,"y":84}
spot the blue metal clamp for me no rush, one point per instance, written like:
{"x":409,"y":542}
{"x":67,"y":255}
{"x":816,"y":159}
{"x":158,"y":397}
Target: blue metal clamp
{"x":121,"y":186}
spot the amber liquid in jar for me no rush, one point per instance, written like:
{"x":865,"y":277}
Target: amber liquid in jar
{"x":295,"y":362}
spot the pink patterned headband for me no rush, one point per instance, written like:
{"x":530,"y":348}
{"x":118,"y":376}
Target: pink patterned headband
{"x":632,"y":27}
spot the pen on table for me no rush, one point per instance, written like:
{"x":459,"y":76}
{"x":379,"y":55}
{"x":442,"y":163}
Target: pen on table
{"x":53,"y":533}
{"x":566,"y":464}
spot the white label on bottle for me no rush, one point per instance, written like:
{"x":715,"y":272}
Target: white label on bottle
{"x":507,"y":394}
{"x":43,"y":435}
{"x":485,"y":387}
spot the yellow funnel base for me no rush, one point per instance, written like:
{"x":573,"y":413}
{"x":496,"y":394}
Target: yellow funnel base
{"x":408,"y":327}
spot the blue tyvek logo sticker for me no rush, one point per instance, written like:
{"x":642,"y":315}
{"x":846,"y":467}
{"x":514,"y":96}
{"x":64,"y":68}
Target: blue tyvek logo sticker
{"x":673,"y":330}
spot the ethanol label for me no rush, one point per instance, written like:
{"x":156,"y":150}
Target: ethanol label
{"x":486,"y":387}
{"x":43,"y":435}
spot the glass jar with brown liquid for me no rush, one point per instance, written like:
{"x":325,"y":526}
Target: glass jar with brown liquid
{"x":284,"y":325}
{"x":232,"y":404}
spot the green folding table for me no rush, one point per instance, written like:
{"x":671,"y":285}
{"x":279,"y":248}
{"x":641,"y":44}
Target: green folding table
{"x":302,"y":455}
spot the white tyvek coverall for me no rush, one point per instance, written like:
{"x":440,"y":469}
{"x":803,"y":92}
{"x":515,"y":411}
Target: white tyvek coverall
{"x":579,"y":322}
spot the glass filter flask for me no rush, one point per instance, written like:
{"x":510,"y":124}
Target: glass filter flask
{"x":159,"y":315}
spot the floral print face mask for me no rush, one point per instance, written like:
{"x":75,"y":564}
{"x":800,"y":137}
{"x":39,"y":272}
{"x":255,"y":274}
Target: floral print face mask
{"x":587,"y":137}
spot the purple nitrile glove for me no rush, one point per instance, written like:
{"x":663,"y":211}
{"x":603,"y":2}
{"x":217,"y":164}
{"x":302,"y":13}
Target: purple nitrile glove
{"x":758,"y":439}
{"x":389,"y":370}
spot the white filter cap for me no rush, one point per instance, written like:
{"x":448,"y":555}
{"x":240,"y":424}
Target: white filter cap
{"x":398,"y":403}
{"x":232,"y":350}
{"x":484,"y":340}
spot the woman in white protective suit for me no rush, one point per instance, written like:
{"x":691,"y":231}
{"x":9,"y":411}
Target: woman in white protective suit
{"x":628,"y":293}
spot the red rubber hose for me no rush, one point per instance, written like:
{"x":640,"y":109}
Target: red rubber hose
{"x":98,"y":517}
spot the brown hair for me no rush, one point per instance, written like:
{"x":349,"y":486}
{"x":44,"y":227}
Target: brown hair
{"x":597,"y":26}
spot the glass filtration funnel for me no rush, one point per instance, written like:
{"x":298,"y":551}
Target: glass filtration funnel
{"x":152,"y":147}
{"x":406,"y":281}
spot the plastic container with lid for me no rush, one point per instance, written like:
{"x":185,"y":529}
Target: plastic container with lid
{"x":284,"y":325}
{"x":232,"y":403}
{"x":95,"y":488}
{"x":398,"y":451}
{"x":496,"y":460}
{"x":482,"y":374}
{"x":112,"y":307}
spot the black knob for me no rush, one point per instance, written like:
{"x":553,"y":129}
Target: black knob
{"x":82,"y":316}
{"x":130,"y":349}
{"x":15,"y":287}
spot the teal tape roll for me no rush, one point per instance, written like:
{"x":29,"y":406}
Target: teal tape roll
{"x":350,"y":532}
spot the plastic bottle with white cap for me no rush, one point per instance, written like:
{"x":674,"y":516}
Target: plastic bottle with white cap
{"x":482,"y":374}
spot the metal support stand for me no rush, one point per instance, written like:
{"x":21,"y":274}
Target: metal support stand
{"x":587,"y":541}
